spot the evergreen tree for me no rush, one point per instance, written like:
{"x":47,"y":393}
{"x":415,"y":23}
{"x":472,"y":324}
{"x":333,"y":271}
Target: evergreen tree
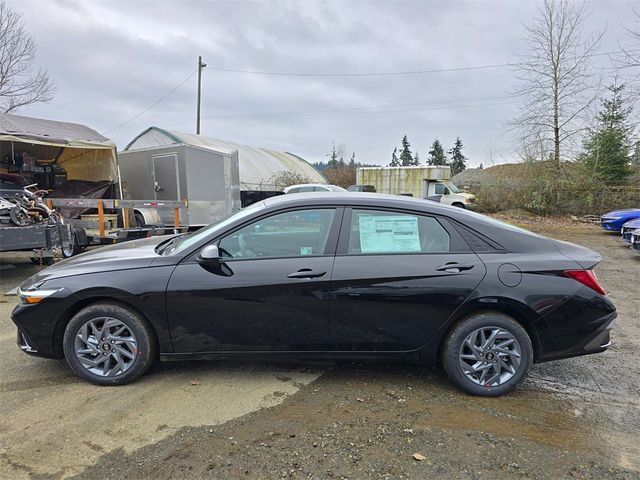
{"x":416,"y":159}
{"x":436,"y":154}
{"x":458,"y":160}
{"x":406,"y":158}
{"x":352,"y":162}
{"x":607,"y":148}
{"x":394,"y":159}
{"x":480,"y":167}
{"x":333,"y":157}
{"x":635,"y":157}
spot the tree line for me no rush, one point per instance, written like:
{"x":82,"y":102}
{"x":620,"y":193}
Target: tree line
{"x":453,"y":157}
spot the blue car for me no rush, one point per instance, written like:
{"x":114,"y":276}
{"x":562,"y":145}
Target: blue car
{"x":613,"y":221}
{"x":630,"y":227}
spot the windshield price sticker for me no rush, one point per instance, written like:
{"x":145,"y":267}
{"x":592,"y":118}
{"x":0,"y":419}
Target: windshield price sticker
{"x":393,"y":233}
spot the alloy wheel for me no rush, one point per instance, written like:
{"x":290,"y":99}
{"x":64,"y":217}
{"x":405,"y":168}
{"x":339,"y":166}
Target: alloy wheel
{"x":490,"y":356}
{"x":106,"y":346}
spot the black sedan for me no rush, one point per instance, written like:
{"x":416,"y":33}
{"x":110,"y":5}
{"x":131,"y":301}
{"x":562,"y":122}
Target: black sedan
{"x":332,"y":275}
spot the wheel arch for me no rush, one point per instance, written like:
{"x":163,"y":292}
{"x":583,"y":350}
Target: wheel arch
{"x":519,"y":312}
{"x":84,"y":302}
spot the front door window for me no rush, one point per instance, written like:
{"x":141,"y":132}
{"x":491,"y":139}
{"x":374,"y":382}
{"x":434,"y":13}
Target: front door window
{"x":297,"y":233}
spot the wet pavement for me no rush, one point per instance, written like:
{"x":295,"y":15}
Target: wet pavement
{"x":574,"y":418}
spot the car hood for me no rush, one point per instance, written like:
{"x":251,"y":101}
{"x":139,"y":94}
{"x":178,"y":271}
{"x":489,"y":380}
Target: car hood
{"x":121,"y":256}
{"x":635,"y":223}
{"x":627,"y":212}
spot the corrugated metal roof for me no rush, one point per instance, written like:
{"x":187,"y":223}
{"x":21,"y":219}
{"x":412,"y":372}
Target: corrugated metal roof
{"x":257,"y":165}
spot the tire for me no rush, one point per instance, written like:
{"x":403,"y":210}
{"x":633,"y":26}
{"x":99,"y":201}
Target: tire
{"x":18,"y":217}
{"x":139,"y":220}
{"x":98,"y":355}
{"x":502,"y":371}
{"x":73,"y":247}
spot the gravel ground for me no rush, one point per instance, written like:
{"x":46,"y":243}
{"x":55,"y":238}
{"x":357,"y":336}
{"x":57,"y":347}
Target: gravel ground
{"x":575,"y":418}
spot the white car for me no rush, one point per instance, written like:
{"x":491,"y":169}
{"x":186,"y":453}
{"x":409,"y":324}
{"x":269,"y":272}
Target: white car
{"x":313,"y":187}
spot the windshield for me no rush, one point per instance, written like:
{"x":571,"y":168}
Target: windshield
{"x":182,"y":243}
{"x":452,"y":187}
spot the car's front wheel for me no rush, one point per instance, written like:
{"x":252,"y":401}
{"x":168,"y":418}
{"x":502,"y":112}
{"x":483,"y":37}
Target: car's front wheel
{"x":109,"y":344}
{"x":487,"y":354}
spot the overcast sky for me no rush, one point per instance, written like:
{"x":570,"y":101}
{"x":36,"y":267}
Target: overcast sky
{"x":114,"y":59}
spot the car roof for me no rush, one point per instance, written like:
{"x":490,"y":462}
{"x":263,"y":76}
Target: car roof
{"x":509,"y":236}
{"x":307,"y":185}
{"x":353,"y":198}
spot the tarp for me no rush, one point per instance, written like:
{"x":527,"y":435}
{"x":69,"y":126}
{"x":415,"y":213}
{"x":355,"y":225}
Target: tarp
{"x":85,"y":154}
{"x":81,"y":189}
{"x":258,"y":166}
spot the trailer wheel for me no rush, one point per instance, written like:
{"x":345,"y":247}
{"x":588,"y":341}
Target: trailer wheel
{"x":74,"y":246}
{"x":139,"y":219}
{"x":70,"y":249}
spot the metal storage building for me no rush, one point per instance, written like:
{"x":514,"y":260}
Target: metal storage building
{"x":257,"y":165}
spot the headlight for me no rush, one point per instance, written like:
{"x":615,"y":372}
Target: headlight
{"x":36,"y":295}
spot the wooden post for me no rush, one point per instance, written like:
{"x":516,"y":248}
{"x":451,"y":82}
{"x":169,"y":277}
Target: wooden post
{"x":176,"y":220}
{"x":125,"y":217}
{"x":101,"y":218}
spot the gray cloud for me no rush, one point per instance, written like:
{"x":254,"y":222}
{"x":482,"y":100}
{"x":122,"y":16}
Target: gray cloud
{"x":113,"y":59}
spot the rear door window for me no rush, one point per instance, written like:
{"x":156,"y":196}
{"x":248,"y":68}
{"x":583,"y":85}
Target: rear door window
{"x":385,"y":232}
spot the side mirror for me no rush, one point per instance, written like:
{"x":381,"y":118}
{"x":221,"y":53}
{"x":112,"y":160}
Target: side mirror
{"x":210,"y":256}
{"x":446,"y":191}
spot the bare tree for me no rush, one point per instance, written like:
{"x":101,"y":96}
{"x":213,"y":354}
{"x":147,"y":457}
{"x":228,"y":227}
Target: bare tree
{"x":628,"y":59}
{"x":20,"y":84}
{"x":556,"y":80}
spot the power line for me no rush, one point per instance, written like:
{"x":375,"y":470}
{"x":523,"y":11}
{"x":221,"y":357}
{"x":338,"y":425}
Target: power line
{"x":153,"y":105}
{"x":408,"y":107}
{"x":374,"y":74}
{"x":382,"y":74}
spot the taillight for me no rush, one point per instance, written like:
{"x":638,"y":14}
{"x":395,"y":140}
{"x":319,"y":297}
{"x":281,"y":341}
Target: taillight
{"x":586,"y":277}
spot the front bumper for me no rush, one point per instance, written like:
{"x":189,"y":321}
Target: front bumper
{"x":37,"y":327}
{"x":626,"y":234}
{"x":610,"y":225}
{"x":635,"y":242}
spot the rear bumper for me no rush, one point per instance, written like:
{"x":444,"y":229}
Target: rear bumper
{"x":597,"y":341}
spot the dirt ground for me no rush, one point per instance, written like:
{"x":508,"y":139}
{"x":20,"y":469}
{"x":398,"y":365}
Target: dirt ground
{"x":575,"y":418}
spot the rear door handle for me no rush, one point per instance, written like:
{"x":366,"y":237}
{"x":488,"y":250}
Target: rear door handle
{"x":453,"y":267}
{"x":306,"y":273}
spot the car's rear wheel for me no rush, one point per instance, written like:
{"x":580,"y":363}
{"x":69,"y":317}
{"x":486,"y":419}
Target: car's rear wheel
{"x":487,"y":354}
{"x":108,"y":344}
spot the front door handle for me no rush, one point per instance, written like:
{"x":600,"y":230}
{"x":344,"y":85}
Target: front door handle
{"x":454,"y":267}
{"x":306,"y":273}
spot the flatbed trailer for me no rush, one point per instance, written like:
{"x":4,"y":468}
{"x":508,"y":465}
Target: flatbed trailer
{"x":87,"y":233}
{"x":73,"y":236}
{"x":44,"y":239}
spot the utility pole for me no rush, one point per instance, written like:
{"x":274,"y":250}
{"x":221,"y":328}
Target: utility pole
{"x":201,"y":65}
